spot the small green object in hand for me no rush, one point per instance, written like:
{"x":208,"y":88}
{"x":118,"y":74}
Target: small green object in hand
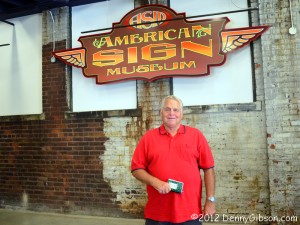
{"x":176,"y":186}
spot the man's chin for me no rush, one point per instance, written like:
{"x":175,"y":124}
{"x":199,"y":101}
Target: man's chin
{"x":172,"y":125}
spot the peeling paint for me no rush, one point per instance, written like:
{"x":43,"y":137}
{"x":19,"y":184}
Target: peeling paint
{"x":116,"y":162}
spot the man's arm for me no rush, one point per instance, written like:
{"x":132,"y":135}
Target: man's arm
{"x":145,"y":177}
{"x":209,"y":180}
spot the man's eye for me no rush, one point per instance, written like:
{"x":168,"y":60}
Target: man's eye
{"x":175,"y":110}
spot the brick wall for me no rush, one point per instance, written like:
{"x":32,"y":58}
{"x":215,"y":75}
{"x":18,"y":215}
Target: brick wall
{"x":51,"y":162}
{"x":79,"y":162}
{"x":281,"y":85}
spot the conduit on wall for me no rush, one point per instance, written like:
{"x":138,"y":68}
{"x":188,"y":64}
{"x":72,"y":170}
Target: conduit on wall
{"x":292,"y":29}
{"x":53,"y":59}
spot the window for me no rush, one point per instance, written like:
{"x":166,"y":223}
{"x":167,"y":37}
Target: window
{"x":20,"y":75}
{"x":86,"y":94}
{"x":230,"y":83}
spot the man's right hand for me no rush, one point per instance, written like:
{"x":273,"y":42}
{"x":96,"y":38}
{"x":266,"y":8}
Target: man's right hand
{"x":161,"y":186}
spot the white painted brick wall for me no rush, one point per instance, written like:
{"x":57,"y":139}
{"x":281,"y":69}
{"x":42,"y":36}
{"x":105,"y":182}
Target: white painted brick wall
{"x":281,"y":84}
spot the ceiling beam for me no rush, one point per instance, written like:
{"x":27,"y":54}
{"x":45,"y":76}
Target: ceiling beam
{"x":16,"y":8}
{"x":18,"y":3}
{"x":4,"y":21}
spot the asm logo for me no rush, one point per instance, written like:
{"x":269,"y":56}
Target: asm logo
{"x":148,"y":17}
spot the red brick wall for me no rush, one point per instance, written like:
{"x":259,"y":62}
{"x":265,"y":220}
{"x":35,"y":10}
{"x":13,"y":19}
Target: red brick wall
{"x":54,"y":160}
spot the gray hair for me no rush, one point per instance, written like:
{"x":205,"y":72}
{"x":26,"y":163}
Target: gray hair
{"x":173,"y":97}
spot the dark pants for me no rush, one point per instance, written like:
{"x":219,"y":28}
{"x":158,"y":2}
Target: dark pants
{"x":190,"y":222}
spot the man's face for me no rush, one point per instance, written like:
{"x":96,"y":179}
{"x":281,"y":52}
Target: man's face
{"x":171,"y":114}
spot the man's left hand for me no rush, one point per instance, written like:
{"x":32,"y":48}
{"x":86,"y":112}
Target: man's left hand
{"x":209,"y":208}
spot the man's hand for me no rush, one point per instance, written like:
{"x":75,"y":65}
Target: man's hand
{"x":209,"y":208}
{"x":162,"y":187}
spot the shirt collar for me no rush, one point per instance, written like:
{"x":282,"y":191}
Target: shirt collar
{"x":162,"y":129}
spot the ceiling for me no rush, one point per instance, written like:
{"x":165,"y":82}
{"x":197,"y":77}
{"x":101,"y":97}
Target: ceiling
{"x":16,"y":8}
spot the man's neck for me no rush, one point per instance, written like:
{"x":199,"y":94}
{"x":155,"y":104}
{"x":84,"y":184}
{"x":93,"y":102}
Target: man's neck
{"x":172,"y":130}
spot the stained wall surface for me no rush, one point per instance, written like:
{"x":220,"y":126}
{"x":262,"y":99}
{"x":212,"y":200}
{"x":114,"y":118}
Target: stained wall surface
{"x":79,"y":163}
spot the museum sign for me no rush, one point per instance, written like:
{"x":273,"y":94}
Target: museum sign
{"x":155,"y":42}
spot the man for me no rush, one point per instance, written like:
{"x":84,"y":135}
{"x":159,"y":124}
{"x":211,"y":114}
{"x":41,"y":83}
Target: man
{"x":177,"y":152}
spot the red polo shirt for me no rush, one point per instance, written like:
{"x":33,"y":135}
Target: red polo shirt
{"x":178,"y":158}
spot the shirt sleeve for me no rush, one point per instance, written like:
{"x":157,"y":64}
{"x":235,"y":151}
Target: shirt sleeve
{"x":206,"y":159}
{"x":139,"y":158}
